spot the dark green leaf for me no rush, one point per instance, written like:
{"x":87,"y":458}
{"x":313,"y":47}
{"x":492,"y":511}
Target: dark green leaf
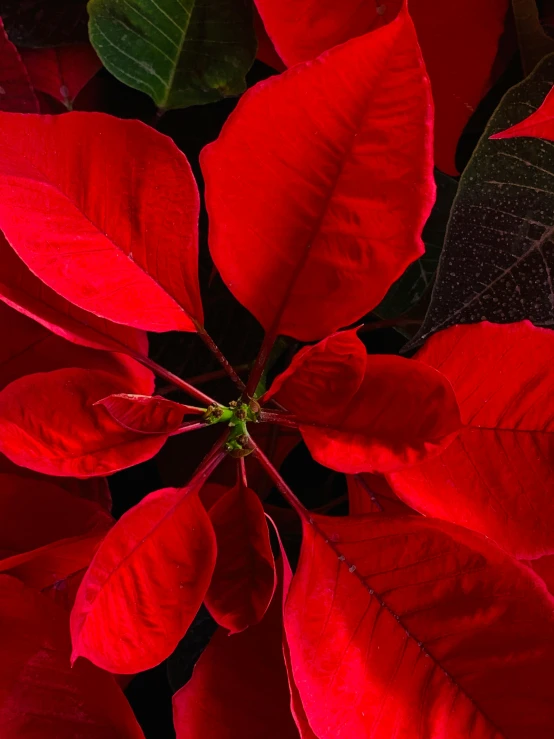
{"x":497,"y":263}
{"x":416,"y":280}
{"x":180,"y":52}
{"x":36,"y":23}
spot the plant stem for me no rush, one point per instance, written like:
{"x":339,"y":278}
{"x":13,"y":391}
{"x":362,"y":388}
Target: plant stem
{"x":280,"y":484}
{"x":241,"y":469}
{"x":177,"y":381}
{"x":210,"y":462}
{"x":193,"y":410}
{"x":260,"y":363}
{"x":185,"y":427}
{"x":216,"y":375}
{"x":218,"y":354}
{"x":282,"y":419}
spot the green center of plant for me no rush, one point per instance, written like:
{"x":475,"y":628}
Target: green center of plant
{"x":236,"y":415}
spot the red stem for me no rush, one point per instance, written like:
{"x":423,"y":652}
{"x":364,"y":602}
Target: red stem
{"x":210,"y":462}
{"x":218,"y":354}
{"x":241,"y":469}
{"x":281,"y":419}
{"x":280,"y":484}
{"x":260,"y":363}
{"x":185,"y":427}
{"x":177,"y":381}
{"x":193,"y":410}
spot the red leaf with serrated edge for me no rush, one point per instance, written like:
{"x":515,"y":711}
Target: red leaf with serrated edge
{"x":61,"y":72}
{"x":45,"y":532}
{"x":539,"y":124}
{"x":95,"y":489}
{"x":316,"y":203}
{"x":239,"y":686}
{"x":145,"y":583}
{"x":402,"y":625}
{"x":16,"y":93}
{"x":244,"y":580}
{"x":303,"y":29}
{"x":111,"y":226}
{"x":390,"y":411}
{"x":143,"y":413}
{"x":369,"y":493}
{"x":41,"y":696}
{"x":48,"y":421}
{"x":20,"y":289}
{"x":497,"y":477}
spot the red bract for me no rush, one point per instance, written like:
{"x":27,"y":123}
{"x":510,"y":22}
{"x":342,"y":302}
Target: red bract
{"x":46,"y":533}
{"x":20,"y":289}
{"x":255,"y":699}
{"x":303,"y":29}
{"x":539,"y":124}
{"x":62,"y":72}
{"x":394,"y":624}
{"x":50,"y":423}
{"x":363,"y":413}
{"x":310,"y":222}
{"x":369,"y":493}
{"x":402,"y":622}
{"x":17,"y":93}
{"x":145,"y":583}
{"x":41,"y":696}
{"x":121,"y":207}
{"x":244,"y":577}
{"x":499,"y":472}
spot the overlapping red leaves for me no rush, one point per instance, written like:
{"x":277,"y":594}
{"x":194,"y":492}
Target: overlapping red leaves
{"x":395,"y":624}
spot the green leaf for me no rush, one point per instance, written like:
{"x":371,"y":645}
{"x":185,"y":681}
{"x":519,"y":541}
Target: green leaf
{"x":180,"y":52}
{"x":497,"y":263}
{"x":409,"y":289}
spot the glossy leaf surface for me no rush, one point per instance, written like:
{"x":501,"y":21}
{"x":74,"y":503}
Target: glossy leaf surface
{"x":17,"y":93}
{"x":363,"y":413}
{"x":100,"y":224}
{"x":145,"y":583}
{"x":498,"y":254}
{"x":48,"y":421}
{"x":310,"y":220}
{"x":255,"y":700}
{"x":244,"y":577}
{"x":41,"y":695}
{"x":61,"y":72}
{"x":179,"y":53}
{"x":497,"y":476}
{"x":407,"y":626}
{"x":20,"y":289}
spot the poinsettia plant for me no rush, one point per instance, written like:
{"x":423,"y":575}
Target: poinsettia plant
{"x":410,"y":593}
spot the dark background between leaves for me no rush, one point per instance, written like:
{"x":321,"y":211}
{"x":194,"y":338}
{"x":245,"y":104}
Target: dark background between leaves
{"x":239,"y":336}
